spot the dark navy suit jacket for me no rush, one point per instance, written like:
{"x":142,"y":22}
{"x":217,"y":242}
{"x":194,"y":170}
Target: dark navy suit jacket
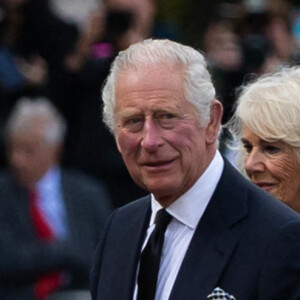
{"x":246,"y":243}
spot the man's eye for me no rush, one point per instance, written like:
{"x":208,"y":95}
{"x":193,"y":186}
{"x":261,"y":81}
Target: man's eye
{"x":167,"y":116}
{"x":167,"y":120}
{"x":134,"y":123}
{"x":133,"y":120}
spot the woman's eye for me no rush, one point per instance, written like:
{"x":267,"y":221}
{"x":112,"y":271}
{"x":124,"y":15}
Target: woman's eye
{"x":272,"y":149}
{"x":247,"y":147}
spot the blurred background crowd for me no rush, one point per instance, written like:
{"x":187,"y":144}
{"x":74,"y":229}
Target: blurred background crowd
{"x":61,"y":50}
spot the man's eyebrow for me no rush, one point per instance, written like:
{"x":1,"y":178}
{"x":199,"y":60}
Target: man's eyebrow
{"x":127,"y":112}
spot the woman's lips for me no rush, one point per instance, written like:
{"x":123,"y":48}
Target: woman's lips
{"x":267,"y":186}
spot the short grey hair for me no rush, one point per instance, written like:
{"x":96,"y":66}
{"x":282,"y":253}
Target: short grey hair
{"x":27,"y":110}
{"x":270,"y":108}
{"x":198,"y":86}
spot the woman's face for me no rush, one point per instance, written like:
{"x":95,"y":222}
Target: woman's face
{"x":274,"y":167}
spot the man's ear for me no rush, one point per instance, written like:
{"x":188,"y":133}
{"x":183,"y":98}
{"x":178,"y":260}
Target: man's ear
{"x":117,"y":143}
{"x":213,"y":127}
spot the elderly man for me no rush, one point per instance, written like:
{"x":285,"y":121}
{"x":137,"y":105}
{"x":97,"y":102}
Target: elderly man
{"x":50,"y":218}
{"x":205,"y":232}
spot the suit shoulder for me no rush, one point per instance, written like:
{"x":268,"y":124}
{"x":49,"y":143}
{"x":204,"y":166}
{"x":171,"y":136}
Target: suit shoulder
{"x":271,"y":209}
{"x":123,"y":216}
{"x":255,"y":202}
{"x":273,"y":212}
{"x":134,"y":207}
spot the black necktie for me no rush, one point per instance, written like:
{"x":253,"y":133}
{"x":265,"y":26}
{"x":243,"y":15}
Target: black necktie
{"x":150,"y":257}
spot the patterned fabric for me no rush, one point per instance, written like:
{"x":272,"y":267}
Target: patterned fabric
{"x":219,"y":294}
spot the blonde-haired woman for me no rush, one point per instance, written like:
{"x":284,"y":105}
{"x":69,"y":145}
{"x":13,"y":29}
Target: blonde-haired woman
{"x":267,"y":125}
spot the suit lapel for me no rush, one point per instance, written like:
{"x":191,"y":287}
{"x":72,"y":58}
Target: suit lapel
{"x":130,"y":244}
{"x":213,"y":242}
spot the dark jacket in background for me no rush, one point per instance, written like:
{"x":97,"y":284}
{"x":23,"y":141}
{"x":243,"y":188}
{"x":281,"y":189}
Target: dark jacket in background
{"x":24,"y":257}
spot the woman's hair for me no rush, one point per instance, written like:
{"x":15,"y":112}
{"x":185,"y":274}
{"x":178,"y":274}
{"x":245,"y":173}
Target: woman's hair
{"x":198,"y":86}
{"x":270,"y":108}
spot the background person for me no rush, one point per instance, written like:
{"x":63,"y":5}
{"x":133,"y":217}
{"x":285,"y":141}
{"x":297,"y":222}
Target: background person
{"x":50,"y":217}
{"x":220,"y":230}
{"x":267,"y":125}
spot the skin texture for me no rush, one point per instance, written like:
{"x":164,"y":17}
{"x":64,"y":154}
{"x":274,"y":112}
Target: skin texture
{"x":29,"y":155}
{"x":274,"y":167}
{"x":158,"y":131}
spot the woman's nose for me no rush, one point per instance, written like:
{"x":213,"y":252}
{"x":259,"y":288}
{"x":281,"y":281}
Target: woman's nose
{"x":255,"y":162}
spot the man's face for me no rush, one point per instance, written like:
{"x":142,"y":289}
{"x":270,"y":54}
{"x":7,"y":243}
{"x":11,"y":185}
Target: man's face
{"x":30,"y":156}
{"x":158,"y":131}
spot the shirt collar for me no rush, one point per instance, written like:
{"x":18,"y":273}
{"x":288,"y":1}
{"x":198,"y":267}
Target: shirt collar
{"x":189,"y":207}
{"x":50,"y":180}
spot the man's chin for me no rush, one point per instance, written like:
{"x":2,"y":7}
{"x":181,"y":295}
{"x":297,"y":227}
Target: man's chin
{"x":163,"y":193}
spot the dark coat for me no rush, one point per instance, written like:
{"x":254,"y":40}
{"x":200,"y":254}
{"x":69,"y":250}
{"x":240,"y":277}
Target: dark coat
{"x":246,"y":243}
{"x":24,"y":257}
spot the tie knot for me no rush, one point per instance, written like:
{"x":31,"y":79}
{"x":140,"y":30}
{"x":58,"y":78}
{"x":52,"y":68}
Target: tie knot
{"x":162,"y":218}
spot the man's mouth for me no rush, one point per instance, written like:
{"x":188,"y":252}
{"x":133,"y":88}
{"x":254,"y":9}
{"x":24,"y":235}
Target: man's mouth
{"x":155,"y":166}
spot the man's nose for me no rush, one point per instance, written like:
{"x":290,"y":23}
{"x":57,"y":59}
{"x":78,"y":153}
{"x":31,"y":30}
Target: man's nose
{"x":152,"y":138}
{"x":255,"y":162}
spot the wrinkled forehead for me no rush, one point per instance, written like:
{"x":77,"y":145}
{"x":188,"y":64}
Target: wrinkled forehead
{"x":149,"y":68}
{"x":149,"y":76}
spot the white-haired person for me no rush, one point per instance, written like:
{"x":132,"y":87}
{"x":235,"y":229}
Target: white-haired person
{"x":50,"y":217}
{"x":204,"y":231}
{"x":266,"y":124}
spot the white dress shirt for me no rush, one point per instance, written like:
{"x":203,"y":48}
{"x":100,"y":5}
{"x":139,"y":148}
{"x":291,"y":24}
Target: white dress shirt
{"x":186,"y":211}
{"x":51,"y":202}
